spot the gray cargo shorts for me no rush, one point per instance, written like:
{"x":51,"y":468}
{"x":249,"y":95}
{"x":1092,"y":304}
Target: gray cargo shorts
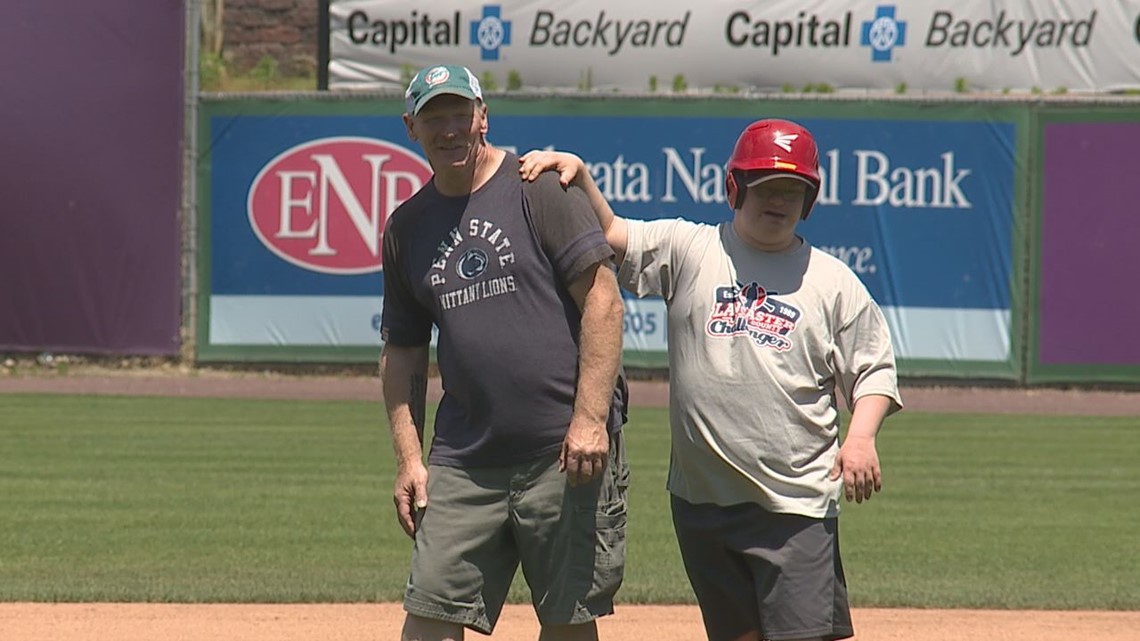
{"x":752,"y":569}
{"x":481,"y":523}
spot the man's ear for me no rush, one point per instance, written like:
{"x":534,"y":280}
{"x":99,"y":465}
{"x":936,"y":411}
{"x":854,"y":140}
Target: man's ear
{"x":408,"y":124}
{"x":484,"y":126}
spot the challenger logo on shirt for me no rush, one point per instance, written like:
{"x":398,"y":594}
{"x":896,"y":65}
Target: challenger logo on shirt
{"x":478,"y":255}
{"x":749,"y":310}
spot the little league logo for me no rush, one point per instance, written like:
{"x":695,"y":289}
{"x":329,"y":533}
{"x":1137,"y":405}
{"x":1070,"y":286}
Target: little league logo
{"x":749,"y":310}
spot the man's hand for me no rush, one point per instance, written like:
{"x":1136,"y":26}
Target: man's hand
{"x":585,"y":451}
{"x":410,"y":494}
{"x":858,"y":464}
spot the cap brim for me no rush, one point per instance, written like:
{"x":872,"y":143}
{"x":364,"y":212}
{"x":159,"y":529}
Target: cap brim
{"x":440,"y":91}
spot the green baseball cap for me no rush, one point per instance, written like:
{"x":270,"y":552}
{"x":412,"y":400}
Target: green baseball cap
{"x":438,"y":80}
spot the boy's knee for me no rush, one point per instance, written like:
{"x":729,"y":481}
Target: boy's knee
{"x":579,"y":632}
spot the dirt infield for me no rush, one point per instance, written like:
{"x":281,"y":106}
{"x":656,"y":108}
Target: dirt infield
{"x":167,"y":622}
{"x":358,"y":622}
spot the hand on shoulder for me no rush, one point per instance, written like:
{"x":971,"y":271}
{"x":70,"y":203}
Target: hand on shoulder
{"x":536,"y":161}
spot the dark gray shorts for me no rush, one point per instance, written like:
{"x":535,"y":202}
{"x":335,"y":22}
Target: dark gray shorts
{"x":480,"y":524}
{"x":756,"y":570}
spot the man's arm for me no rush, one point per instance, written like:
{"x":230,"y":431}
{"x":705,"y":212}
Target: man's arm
{"x":403,"y":375}
{"x":572,"y":171}
{"x":586,"y":448}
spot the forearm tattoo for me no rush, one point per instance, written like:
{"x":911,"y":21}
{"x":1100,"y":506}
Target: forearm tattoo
{"x":418,"y":402}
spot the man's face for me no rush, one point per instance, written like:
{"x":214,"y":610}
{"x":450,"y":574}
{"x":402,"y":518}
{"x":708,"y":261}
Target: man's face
{"x":450,"y":129}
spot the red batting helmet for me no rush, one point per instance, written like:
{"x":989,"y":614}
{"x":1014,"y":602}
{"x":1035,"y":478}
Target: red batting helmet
{"x":769,"y":149}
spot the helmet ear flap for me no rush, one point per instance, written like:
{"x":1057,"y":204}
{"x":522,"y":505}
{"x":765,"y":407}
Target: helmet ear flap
{"x":732,"y":188}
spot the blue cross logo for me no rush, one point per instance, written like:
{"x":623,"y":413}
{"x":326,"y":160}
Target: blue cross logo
{"x":883,"y":34}
{"x":490,"y":32}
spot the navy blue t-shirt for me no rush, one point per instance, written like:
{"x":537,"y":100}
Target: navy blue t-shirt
{"x":491,"y":270}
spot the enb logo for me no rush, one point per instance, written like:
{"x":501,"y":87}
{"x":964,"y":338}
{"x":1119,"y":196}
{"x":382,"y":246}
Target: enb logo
{"x":322,"y":205}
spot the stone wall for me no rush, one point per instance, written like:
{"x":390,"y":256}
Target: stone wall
{"x":284,"y":30}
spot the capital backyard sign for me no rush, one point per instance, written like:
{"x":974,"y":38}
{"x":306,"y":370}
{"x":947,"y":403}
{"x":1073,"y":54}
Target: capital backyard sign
{"x":1087,"y":46}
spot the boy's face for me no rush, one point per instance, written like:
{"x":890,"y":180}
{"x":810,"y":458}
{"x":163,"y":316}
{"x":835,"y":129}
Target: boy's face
{"x":771,"y":210}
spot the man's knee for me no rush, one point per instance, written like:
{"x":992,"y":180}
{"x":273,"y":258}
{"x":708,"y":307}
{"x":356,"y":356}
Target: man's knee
{"x":423,"y":629}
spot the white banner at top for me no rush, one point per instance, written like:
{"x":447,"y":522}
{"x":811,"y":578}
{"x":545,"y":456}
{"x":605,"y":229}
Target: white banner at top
{"x":942,"y":45}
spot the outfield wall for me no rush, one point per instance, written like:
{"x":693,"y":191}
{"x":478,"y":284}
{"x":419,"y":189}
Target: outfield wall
{"x":939,"y":207}
{"x":91,"y":126}
{"x":1084,"y":323}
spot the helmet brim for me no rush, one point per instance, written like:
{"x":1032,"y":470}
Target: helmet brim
{"x":759,"y":176}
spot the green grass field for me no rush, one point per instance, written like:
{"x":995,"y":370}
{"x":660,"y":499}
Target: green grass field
{"x":207,"y":500}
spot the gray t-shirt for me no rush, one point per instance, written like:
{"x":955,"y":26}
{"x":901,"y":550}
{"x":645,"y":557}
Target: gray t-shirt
{"x":491,"y":271}
{"x":759,"y":344}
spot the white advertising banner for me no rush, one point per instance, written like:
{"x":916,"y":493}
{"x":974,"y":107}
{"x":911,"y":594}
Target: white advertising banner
{"x":924,"y":45}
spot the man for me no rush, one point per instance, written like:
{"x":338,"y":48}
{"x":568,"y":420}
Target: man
{"x":526,"y":462}
{"x":763,"y":331}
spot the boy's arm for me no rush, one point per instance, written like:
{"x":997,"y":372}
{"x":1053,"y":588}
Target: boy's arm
{"x":858,"y":460}
{"x":572,"y":171}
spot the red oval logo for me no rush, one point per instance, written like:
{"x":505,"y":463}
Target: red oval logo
{"x":322,"y":205}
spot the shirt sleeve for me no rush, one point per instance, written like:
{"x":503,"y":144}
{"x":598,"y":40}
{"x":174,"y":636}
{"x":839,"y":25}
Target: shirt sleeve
{"x":567,"y":228}
{"x":404,"y":322}
{"x":654,"y":252}
{"x":864,"y":357}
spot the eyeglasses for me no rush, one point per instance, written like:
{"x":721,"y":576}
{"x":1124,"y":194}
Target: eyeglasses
{"x":791,"y":192}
